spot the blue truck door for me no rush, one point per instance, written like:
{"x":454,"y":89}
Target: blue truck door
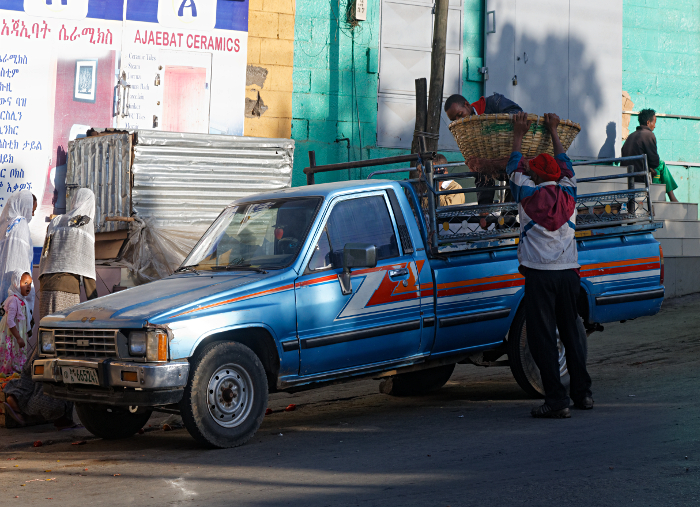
{"x":477,"y":296}
{"x":380,"y":321}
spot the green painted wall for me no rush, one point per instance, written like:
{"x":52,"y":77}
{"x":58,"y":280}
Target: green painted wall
{"x":333,"y":88}
{"x":661,"y":70}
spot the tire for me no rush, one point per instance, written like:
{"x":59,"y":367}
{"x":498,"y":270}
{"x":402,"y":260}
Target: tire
{"x":226,"y":395}
{"x":522,"y":365}
{"x":111,"y":423}
{"x":417,"y":382}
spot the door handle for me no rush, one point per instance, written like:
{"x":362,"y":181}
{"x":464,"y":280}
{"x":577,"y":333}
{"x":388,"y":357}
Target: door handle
{"x":398,"y":272}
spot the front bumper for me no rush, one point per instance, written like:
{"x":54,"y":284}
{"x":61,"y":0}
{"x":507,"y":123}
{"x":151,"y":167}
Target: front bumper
{"x":155,"y":384}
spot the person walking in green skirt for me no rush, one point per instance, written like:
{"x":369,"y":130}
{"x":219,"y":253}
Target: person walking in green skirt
{"x":643,"y":142}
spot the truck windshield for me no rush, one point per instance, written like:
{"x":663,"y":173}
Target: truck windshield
{"x":260,"y":235}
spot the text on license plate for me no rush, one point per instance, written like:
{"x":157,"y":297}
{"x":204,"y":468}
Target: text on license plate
{"x":79,"y":375}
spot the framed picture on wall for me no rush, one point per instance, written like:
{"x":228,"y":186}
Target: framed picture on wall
{"x":85,"y":87}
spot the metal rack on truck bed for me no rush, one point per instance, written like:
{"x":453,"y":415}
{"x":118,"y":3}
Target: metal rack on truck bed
{"x":459,"y":228}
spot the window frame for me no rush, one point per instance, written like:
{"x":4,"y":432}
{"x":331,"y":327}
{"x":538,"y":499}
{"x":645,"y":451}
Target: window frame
{"x":324,"y":223}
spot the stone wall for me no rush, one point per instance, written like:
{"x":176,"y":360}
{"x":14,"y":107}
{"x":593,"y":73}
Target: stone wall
{"x":661,"y":71}
{"x":268,"y":111}
{"x":335,"y":84}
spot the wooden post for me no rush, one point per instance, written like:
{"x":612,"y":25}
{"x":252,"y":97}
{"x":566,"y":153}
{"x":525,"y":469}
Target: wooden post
{"x":437,"y":72}
{"x":421,"y":117}
{"x":310,"y":178}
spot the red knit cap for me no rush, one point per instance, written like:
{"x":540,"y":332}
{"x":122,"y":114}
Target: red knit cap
{"x":546,"y":167}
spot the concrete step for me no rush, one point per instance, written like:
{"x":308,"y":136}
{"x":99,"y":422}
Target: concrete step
{"x":600,"y":186}
{"x":658,"y":192}
{"x":679,"y":229}
{"x":588,"y":171}
{"x":682,"y":275}
{"x":680,"y":247}
{"x":675,"y":211}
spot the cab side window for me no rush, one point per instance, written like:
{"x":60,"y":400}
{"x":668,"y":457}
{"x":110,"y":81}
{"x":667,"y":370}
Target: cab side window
{"x":321,"y":259}
{"x":362,"y":220}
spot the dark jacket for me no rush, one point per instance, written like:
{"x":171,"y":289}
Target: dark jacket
{"x":497,"y":103}
{"x":641,"y":141}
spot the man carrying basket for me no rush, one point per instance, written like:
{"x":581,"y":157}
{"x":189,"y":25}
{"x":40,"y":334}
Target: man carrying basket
{"x":545,"y":190}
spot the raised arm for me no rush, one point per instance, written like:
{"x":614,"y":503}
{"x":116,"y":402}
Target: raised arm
{"x":551,"y":121}
{"x":520,"y":128}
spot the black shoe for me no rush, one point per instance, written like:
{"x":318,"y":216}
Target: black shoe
{"x":545,"y":411}
{"x":585,"y":403}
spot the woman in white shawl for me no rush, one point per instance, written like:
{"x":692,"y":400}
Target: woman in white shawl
{"x":16,"y":249}
{"x":68,"y":257}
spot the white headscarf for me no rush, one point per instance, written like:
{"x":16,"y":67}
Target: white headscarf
{"x":15,"y":285}
{"x":16,"y":249}
{"x":15,"y":290}
{"x":17,"y":207}
{"x":70,"y":239}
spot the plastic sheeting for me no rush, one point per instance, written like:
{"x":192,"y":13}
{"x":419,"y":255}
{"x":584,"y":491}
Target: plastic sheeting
{"x":153,"y":252}
{"x":175,"y":184}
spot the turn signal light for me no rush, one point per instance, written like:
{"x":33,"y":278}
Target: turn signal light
{"x":162,"y":347}
{"x":39,"y":369}
{"x":157,"y":345}
{"x":661,"y":264}
{"x":130,"y":376}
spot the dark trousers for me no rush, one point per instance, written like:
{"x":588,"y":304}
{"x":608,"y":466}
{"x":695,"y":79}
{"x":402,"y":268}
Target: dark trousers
{"x":550,"y":304}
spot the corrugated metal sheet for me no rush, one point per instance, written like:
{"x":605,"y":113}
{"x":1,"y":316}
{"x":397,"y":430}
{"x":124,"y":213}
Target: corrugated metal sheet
{"x":102,"y":164}
{"x":177,"y":179}
{"x":184,"y":179}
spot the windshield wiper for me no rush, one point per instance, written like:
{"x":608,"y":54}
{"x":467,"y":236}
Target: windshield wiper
{"x":239,"y":268}
{"x":182,"y":269}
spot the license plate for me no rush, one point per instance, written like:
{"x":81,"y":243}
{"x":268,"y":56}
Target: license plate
{"x":80,"y":376}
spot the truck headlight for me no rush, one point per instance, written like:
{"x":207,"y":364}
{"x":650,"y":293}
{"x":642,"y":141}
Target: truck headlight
{"x":137,"y":343}
{"x":48,"y":345}
{"x":156,"y":345}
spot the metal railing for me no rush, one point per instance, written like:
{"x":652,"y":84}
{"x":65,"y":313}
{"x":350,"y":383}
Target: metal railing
{"x":469,"y":226}
{"x":465,"y":226}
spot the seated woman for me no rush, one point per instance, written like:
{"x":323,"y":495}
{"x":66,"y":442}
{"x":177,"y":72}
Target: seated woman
{"x":441,"y":185}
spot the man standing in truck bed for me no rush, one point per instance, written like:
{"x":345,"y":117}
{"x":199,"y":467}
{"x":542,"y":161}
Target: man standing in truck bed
{"x":546,"y":196}
{"x":456,"y":107}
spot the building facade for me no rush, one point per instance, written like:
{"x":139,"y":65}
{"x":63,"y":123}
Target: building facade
{"x":343,"y":87}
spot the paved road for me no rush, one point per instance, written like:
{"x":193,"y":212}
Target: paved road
{"x":472,"y":443}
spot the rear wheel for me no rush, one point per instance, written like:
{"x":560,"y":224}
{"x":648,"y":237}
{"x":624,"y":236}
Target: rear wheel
{"x":522,"y":365}
{"x":226,"y":396}
{"x":111,"y":423}
{"x":417,"y":382}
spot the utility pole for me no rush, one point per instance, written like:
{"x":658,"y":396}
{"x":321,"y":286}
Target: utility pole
{"x":437,"y":73}
{"x":421,"y":117}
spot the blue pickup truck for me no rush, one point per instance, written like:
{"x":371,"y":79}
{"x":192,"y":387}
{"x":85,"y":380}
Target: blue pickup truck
{"x":302,"y":287}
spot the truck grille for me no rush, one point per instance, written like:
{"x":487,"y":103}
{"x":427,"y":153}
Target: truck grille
{"x":86,"y":342}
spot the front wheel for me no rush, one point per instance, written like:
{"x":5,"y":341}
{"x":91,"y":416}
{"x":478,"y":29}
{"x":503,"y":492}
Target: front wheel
{"x":522,"y":365}
{"x":111,"y":423}
{"x":226,"y":395}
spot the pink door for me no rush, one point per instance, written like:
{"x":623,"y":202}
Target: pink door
{"x":185,"y":104}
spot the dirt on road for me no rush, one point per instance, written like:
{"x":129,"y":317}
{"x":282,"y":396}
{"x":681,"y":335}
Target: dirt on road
{"x":471,"y":443}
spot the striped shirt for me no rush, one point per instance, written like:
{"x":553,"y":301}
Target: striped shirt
{"x":547,"y":216}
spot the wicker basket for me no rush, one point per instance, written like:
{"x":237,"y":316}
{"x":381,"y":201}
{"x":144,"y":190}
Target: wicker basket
{"x":490,"y":136}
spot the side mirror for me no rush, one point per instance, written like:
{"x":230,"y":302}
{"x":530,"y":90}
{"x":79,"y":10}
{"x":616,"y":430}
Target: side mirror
{"x":356,"y":255}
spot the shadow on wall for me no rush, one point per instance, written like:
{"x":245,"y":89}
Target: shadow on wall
{"x":608,"y":148}
{"x":555,"y":74}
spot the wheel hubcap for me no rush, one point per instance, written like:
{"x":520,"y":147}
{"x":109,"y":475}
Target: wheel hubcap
{"x":230,"y":395}
{"x":532,"y":372}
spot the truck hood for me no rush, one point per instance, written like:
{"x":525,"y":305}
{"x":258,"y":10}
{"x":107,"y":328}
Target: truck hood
{"x":133,"y":307}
